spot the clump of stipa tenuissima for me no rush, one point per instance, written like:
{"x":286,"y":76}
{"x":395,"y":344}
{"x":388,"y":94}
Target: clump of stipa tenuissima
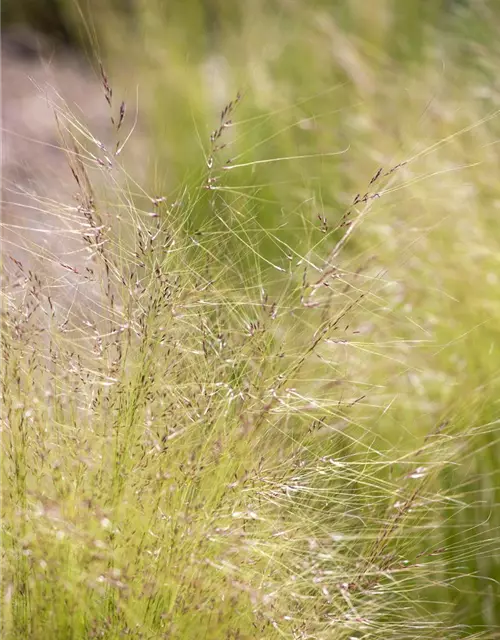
{"x":185,"y":447}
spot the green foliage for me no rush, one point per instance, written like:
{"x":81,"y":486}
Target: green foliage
{"x":266,"y":406}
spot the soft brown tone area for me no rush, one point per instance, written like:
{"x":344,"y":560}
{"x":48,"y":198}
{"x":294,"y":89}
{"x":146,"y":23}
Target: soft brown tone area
{"x":38,"y":190}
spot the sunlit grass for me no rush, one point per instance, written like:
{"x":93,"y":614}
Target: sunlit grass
{"x":260,"y":397}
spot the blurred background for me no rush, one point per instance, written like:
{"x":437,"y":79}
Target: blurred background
{"x":316,"y":76}
{"x":383,"y":81}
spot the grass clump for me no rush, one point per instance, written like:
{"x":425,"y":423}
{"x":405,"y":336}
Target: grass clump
{"x":184,"y":447}
{"x":258,"y":405}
